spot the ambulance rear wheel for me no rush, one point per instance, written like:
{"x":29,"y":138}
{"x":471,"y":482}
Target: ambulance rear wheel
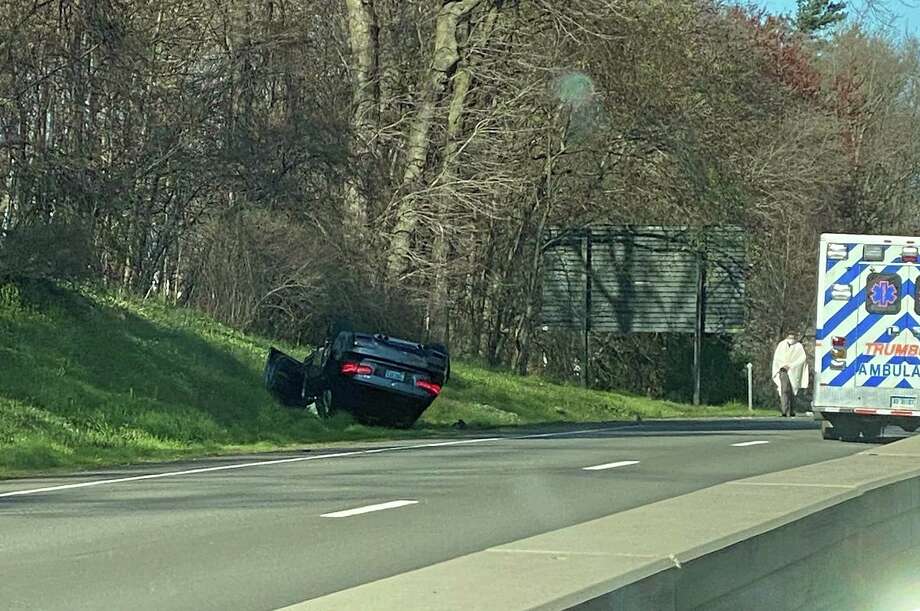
{"x":870,"y":431}
{"x":828,"y":432}
{"x":842,"y":428}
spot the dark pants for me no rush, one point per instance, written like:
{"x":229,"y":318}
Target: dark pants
{"x":786,"y":396}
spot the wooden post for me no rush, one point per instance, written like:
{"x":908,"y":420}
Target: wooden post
{"x":700,"y":327}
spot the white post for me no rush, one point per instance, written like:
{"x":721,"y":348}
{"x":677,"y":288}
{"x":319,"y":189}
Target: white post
{"x":750,"y":368}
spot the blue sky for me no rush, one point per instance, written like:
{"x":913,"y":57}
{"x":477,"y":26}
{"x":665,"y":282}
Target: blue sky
{"x":906,"y":12}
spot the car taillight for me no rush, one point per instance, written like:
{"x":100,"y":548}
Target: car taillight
{"x":356,"y":369}
{"x":430,"y":387}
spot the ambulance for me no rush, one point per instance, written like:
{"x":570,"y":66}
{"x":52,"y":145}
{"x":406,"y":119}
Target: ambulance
{"x":867,"y":338}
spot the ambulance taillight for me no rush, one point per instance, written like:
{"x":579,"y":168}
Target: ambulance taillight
{"x":838,"y":352}
{"x":909,"y":254}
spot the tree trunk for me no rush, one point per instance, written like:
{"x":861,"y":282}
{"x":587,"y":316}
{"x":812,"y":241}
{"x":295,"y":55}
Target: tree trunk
{"x":364,"y":43}
{"x":444,"y":61}
{"x":439,"y":305}
{"x":522,"y":336}
{"x":524,"y":329}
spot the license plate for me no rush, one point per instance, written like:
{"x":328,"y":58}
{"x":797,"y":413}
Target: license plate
{"x":395,"y":375}
{"x":903,"y":402}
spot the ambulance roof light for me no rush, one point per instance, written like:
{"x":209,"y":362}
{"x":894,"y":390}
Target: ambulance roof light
{"x":873,"y":252}
{"x":837,"y":252}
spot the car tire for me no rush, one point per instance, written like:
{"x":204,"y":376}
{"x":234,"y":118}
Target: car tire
{"x":437,"y":347}
{"x":325,"y":404}
{"x":404,"y":422}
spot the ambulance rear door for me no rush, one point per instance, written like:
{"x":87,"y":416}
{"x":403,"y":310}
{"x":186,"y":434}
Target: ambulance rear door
{"x":885,"y":362}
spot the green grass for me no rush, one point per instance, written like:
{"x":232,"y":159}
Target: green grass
{"x":485,"y":398}
{"x":87,"y":379}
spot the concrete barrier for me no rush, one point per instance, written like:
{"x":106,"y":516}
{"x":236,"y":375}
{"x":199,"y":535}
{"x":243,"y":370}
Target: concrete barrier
{"x":842,"y":534}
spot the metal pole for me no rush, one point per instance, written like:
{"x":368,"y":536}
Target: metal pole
{"x":700,"y":327}
{"x":750,"y":378}
{"x":586,"y":368}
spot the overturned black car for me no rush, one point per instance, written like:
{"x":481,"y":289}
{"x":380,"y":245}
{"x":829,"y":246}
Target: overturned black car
{"x":379,"y":380}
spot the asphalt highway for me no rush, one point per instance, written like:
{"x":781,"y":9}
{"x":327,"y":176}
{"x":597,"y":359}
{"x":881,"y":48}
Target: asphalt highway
{"x":267,"y":531}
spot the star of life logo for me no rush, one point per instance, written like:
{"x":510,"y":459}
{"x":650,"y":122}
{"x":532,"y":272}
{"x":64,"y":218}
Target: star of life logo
{"x":883,"y":294}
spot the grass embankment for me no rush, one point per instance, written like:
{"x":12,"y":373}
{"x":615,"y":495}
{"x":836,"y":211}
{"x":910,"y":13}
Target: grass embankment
{"x":87,"y":380}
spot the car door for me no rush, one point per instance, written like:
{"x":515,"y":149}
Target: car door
{"x":284,"y":378}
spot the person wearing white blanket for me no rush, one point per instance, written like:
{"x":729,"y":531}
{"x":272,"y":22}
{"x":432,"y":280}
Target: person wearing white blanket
{"x":790,"y":372}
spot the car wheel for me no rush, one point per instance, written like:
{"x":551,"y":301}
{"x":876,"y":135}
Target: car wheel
{"x":403,"y":423}
{"x":325,"y":405}
{"x":443,"y":350}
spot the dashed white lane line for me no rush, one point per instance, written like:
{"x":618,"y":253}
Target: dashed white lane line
{"x":263,"y":463}
{"x":611,"y":465}
{"x":368,"y":509}
{"x":745,"y":444}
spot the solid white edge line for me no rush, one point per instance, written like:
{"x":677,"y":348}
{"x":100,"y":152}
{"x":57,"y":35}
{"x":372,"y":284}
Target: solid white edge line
{"x":135,"y":478}
{"x":579,"y":432}
{"x":745,"y":444}
{"x":261,"y":463}
{"x":611,"y":465}
{"x":368,"y":509}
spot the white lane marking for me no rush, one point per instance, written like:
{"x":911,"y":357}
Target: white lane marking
{"x":745,"y":444}
{"x":432,"y":445}
{"x":367,"y":509}
{"x":579,"y":432}
{"x":453,"y":443}
{"x":261,"y":463}
{"x":135,"y":478}
{"x":611,"y":465}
